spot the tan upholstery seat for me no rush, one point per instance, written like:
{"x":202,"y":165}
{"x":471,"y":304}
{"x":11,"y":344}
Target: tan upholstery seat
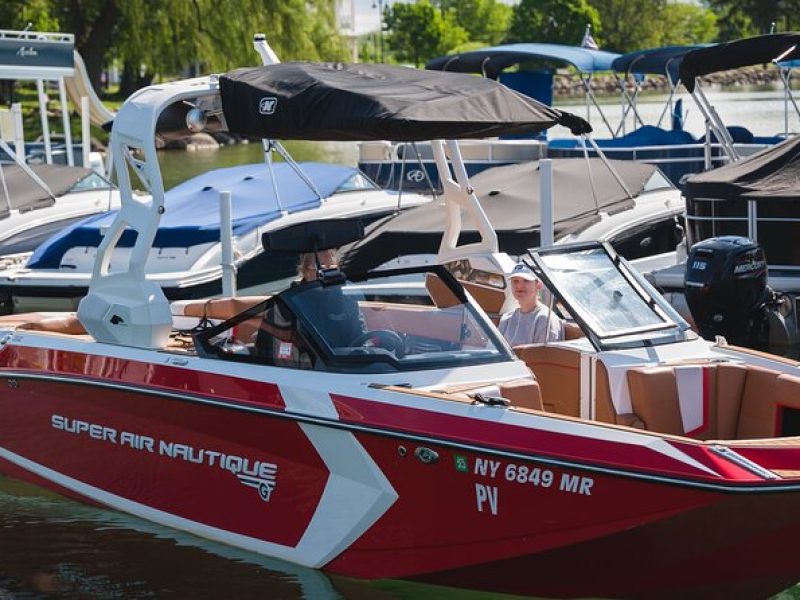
{"x":759,"y":411}
{"x":66,"y":323}
{"x":557,"y":370}
{"x":523,"y":393}
{"x":218,"y":308}
{"x":604,"y":410}
{"x":654,"y":398}
{"x":729,"y":386}
{"x":743,"y":401}
{"x":490,"y":299}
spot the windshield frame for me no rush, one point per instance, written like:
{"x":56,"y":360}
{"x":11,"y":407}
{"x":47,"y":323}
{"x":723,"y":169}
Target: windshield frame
{"x":377,"y":361}
{"x":671,"y":329}
{"x":346,"y":363}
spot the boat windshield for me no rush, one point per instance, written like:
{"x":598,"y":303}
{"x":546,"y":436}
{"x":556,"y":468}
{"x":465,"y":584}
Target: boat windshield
{"x":401,"y":320}
{"x":602,"y":293}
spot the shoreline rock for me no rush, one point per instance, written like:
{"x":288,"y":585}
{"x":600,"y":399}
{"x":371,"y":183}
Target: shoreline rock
{"x":569,"y":85}
{"x":200,"y":141}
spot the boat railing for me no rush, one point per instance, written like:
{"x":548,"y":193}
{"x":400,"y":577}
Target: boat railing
{"x":676,"y":160}
{"x":774,"y":233}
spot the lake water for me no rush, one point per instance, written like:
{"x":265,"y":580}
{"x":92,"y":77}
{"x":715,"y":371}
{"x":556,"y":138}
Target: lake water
{"x":53,"y":547}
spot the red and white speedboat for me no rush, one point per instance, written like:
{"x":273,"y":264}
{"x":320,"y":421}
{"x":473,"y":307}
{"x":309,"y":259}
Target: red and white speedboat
{"x":386,"y":437}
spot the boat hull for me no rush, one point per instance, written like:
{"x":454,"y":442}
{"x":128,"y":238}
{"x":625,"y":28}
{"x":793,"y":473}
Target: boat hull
{"x":376,"y":492}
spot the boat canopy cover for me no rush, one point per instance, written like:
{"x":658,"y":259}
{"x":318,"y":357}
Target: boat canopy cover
{"x":510,"y":197}
{"x":653,"y":61}
{"x":757,"y":50}
{"x":770,"y":175}
{"x":26,"y":194}
{"x":192,"y":207}
{"x":490,"y":61}
{"x":350,"y":102}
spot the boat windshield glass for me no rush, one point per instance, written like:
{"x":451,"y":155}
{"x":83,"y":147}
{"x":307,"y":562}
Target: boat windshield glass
{"x":395,"y":321}
{"x":657,"y":181}
{"x":92,"y":181}
{"x":357,"y":183}
{"x":601,"y":295}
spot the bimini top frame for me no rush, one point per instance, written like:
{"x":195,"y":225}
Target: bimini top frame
{"x":775,"y":48}
{"x":664,"y":61}
{"x":350,"y":102}
{"x":489,"y":62}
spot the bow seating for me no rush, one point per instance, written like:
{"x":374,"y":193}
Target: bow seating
{"x":732,"y":401}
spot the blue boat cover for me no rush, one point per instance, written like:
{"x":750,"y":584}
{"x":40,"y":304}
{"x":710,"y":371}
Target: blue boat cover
{"x":647,"y":135}
{"x":490,"y":61}
{"x":192,"y":207}
{"x":654,"y":61}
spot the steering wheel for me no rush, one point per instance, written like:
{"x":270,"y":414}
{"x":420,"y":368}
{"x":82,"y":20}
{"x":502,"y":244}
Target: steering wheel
{"x":390,"y":340}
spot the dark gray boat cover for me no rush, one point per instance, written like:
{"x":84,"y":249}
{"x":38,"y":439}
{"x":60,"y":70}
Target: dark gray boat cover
{"x":768,"y":176}
{"x":762,"y":49}
{"x":350,"y":102}
{"x":26,"y":194}
{"x":510,"y":197}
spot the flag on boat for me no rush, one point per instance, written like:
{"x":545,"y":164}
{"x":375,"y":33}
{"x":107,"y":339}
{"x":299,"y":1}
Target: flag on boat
{"x":588,"y":40}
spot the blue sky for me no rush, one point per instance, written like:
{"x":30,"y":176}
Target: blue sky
{"x":366,"y":16}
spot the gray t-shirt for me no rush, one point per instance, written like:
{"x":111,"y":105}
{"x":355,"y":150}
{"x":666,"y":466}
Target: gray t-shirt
{"x":531,"y":328}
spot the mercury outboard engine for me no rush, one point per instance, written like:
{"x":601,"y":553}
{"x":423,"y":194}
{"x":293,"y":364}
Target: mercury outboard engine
{"x":727,"y":292}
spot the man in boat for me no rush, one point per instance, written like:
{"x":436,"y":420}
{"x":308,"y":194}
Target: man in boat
{"x":338,"y":315}
{"x":532,"y":322}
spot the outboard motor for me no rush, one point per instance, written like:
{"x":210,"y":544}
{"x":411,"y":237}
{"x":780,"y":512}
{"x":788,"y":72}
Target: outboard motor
{"x":727,"y":292}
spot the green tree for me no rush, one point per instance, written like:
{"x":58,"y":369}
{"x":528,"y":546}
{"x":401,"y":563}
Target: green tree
{"x":734,"y":16}
{"x":683,"y":23}
{"x":165,"y":36}
{"x":17,"y":14}
{"x":485,"y":21}
{"x":555,"y":21}
{"x":217,"y":35}
{"x":733,"y":24}
{"x":630,"y":24}
{"x":419,"y":32}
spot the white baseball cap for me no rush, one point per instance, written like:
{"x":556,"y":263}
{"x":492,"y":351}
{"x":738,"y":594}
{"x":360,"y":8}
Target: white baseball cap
{"x":523,"y":271}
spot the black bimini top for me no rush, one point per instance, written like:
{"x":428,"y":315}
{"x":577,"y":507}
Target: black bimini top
{"x":757,"y":50}
{"x":770,"y":175}
{"x":509,"y":195}
{"x":25,"y":194}
{"x":350,"y":102}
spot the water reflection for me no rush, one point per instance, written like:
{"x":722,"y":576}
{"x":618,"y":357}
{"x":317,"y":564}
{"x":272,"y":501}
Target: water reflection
{"x":53,"y":547}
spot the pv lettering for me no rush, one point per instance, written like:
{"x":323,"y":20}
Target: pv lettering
{"x":486,"y":497}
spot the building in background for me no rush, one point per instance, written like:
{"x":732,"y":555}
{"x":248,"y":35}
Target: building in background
{"x":345,"y":11}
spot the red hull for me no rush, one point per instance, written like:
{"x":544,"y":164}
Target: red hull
{"x":508,"y":518}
